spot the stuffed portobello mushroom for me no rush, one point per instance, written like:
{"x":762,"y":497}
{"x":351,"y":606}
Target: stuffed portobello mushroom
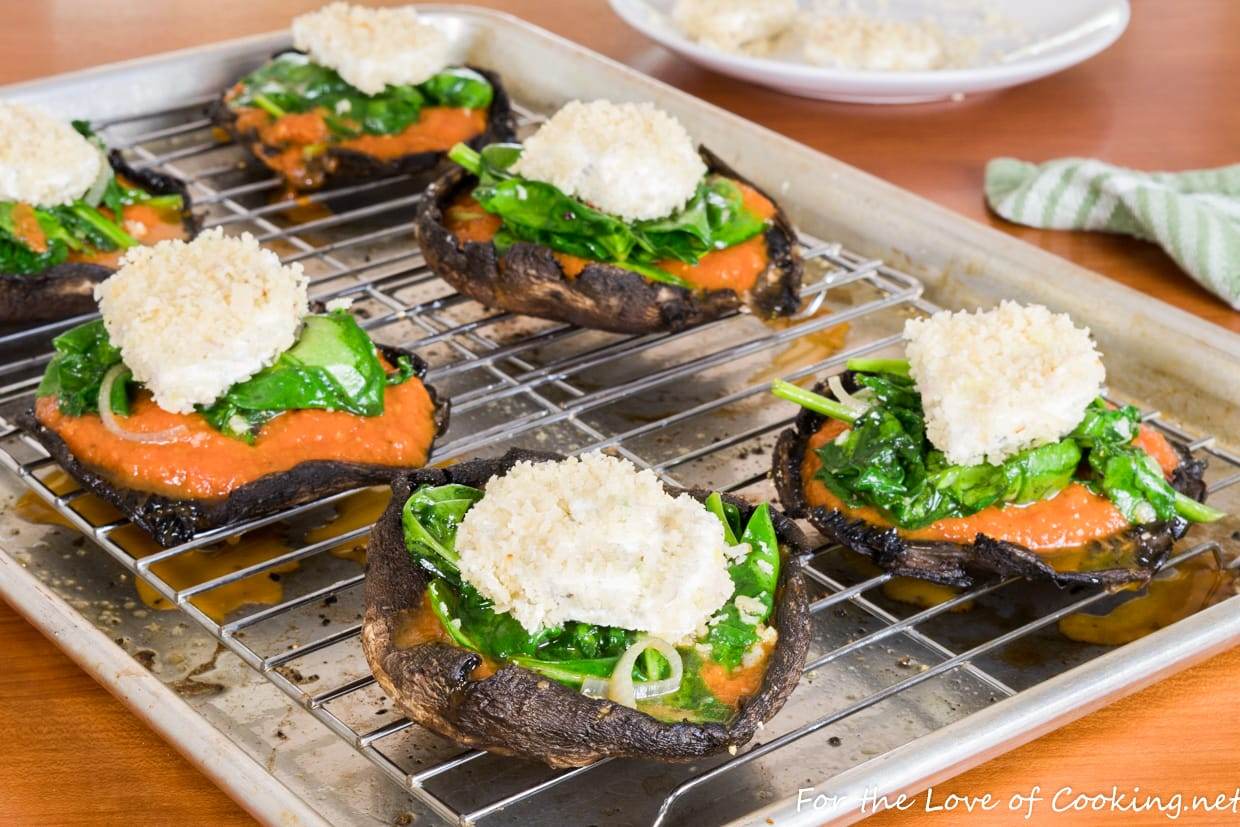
{"x":569,"y":610}
{"x":69,"y":210}
{"x":368,"y":93}
{"x":988,"y":451}
{"x":208,"y":393}
{"x":608,"y":217}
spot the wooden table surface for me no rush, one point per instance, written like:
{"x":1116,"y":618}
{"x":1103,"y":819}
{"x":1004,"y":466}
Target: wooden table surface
{"x":1165,"y":97}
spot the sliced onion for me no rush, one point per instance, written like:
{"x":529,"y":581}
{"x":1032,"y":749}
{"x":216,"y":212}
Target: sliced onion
{"x":95,"y":194}
{"x":595,"y":687}
{"x":844,"y":397}
{"x":109,"y":418}
{"x":621,"y":687}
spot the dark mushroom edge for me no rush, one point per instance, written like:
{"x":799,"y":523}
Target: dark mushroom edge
{"x":520,"y":713}
{"x":68,"y":289}
{"x":173,"y":521}
{"x":345,"y":166}
{"x":527,"y":278}
{"x":959,"y":564}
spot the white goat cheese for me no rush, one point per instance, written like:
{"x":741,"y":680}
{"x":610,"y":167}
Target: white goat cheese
{"x":43,"y":160}
{"x":192,"y":319}
{"x":996,"y":382}
{"x":734,"y":25}
{"x":373,"y":47}
{"x":632,"y":160}
{"x":595,"y":540}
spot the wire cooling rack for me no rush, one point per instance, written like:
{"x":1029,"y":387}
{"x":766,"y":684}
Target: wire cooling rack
{"x":691,"y":406}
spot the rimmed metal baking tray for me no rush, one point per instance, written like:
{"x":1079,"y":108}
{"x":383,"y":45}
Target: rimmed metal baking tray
{"x":896,"y":697}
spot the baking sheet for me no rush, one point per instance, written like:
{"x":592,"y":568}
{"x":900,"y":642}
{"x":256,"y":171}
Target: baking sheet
{"x":1154,"y":353}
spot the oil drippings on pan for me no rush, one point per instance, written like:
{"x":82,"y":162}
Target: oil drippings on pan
{"x":353,"y":512}
{"x":218,"y":560}
{"x":1172,"y":595}
{"x":922,"y":593}
{"x":184,"y":570}
{"x":807,"y":349}
{"x":303,"y":209}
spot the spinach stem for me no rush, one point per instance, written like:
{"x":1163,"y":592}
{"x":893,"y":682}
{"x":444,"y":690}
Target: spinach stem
{"x":466,"y":156}
{"x":1196,"y":512}
{"x":163,"y":202}
{"x":653,"y":663}
{"x":113,"y":232}
{"x":813,"y":401}
{"x":654,"y":273}
{"x":268,"y":105}
{"x":897,"y":366}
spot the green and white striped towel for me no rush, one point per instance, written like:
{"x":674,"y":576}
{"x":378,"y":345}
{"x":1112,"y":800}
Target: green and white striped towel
{"x":1194,"y":216}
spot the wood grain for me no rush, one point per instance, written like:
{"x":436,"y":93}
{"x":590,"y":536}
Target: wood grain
{"x":74,"y":755}
{"x":1165,"y":97}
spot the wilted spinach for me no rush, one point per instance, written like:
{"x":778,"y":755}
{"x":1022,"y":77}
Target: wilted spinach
{"x":885,"y":461}
{"x":293,"y":83}
{"x":1126,"y":474}
{"x":733,"y":632}
{"x":332,"y":366}
{"x":84,"y":355}
{"x":537,"y":212}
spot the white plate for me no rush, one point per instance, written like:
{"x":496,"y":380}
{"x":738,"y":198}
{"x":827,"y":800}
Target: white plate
{"x":1036,"y":39}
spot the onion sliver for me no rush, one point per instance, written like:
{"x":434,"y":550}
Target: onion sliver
{"x":595,"y":687}
{"x":109,"y":418}
{"x":843,"y":396}
{"x":100,"y":185}
{"x":623,"y":690}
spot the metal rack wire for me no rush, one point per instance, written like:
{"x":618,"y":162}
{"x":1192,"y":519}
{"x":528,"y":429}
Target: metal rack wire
{"x":507,"y":383}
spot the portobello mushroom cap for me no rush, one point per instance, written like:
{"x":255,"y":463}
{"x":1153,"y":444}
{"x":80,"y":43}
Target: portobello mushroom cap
{"x":959,"y":564}
{"x":528,"y":279}
{"x":344,"y":166}
{"x":173,"y":521}
{"x":68,"y":289}
{"x":518,"y":712}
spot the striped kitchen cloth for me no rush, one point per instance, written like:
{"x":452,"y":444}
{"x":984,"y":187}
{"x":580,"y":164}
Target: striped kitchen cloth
{"x":1194,"y":216}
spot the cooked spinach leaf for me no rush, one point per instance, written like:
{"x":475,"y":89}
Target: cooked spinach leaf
{"x":293,"y":83}
{"x":694,"y":700}
{"x":1126,"y":474}
{"x":84,"y":355}
{"x":885,"y":461}
{"x":17,"y":256}
{"x":533,"y":211}
{"x":333,"y":366}
{"x":733,"y":632}
{"x":430,"y":519}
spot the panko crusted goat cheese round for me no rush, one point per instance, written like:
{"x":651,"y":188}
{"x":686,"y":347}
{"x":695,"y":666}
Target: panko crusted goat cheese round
{"x":996,"y":382}
{"x":872,"y":44}
{"x":43,"y":160}
{"x":734,"y":25}
{"x":632,"y":160}
{"x":595,"y":540}
{"x":373,"y":47}
{"x":192,"y":319}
